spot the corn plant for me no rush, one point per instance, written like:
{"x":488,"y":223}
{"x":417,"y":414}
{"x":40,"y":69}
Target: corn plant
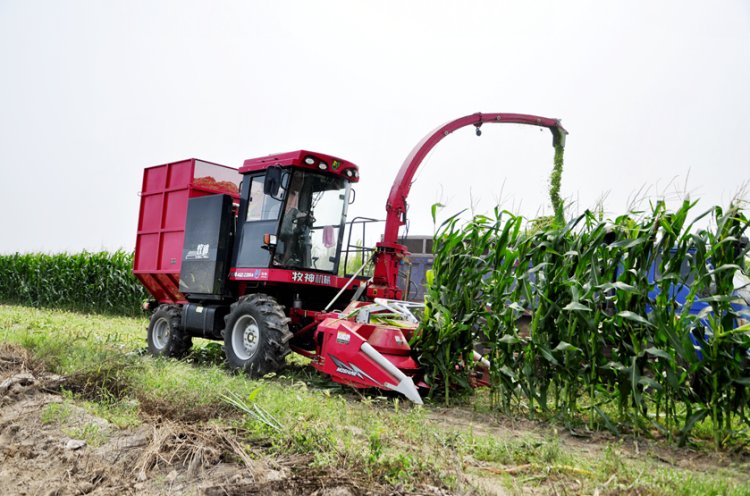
{"x":451,"y":297}
{"x":89,"y":282}
{"x":612,"y":337}
{"x":722,"y":383}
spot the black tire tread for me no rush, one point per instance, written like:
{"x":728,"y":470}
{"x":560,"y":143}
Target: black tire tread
{"x":276,"y":337}
{"x":180,"y":343}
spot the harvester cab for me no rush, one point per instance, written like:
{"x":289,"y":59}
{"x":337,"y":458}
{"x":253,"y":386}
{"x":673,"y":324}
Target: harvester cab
{"x":292,"y":213}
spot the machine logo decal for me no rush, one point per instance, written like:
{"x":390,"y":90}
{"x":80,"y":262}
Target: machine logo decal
{"x":200,"y":252}
{"x":309,"y":277}
{"x":351,"y":370}
{"x":260,"y":274}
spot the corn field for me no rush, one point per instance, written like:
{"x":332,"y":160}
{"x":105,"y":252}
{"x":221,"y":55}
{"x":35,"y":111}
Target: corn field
{"x":89,"y":282}
{"x":605,"y":340}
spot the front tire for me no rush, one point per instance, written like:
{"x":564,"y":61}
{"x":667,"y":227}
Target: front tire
{"x":256,"y":335}
{"x":165,"y":336}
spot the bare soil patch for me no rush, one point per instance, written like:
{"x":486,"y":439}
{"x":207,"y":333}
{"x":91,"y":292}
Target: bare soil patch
{"x":79,"y":453}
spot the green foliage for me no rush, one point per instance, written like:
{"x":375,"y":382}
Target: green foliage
{"x":122,"y":413}
{"x":56,"y":413}
{"x":598,"y":348}
{"x":554,"y":186}
{"x":90,"y":432}
{"x":90,"y":282}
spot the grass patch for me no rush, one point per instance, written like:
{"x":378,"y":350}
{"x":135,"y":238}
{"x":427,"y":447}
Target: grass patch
{"x":56,"y":413}
{"x":518,"y":452}
{"x":122,"y":414}
{"x":91,"y":433}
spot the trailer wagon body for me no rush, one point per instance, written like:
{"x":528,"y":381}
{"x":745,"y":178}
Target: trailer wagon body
{"x":165,"y":193}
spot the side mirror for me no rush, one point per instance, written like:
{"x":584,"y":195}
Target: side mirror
{"x":272,"y":182}
{"x":352,"y":196}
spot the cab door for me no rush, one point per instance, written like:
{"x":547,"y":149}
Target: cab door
{"x":258,"y":215}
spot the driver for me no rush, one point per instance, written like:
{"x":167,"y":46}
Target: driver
{"x":293,"y":225}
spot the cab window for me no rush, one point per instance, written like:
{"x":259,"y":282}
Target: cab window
{"x":261,"y":206}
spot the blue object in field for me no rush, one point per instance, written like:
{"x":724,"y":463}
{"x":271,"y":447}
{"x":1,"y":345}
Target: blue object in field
{"x":680,"y":293}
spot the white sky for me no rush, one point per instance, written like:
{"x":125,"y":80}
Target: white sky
{"x":92,"y":92}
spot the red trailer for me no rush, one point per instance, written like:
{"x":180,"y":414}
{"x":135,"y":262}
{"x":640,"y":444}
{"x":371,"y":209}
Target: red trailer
{"x":255,"y":257}
{"x":161,"y":224}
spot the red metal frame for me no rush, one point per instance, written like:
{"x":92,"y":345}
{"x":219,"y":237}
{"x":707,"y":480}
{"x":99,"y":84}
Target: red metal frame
{"x":389,"y":252}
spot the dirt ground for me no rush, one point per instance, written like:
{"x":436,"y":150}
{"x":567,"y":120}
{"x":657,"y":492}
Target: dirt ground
{"x":41,"y":456}
{"x":587,"y":443}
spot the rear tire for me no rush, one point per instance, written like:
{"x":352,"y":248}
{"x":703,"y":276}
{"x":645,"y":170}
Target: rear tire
{"x":165,"y":336}
{"x":256,"y":335}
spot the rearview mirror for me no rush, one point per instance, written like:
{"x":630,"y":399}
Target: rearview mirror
{"x":272,"y":183}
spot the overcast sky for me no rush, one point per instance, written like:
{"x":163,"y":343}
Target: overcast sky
{"x":654,"y":94}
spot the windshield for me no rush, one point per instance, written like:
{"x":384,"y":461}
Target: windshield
{"x":312,"y":221}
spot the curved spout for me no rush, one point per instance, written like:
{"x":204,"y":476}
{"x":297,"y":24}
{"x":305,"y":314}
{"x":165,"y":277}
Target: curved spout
{"x":396,"y":205}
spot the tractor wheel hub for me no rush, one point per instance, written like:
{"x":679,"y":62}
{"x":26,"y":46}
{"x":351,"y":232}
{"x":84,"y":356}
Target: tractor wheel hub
{"x":245,"y":337}
{"x":162,"y":333}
